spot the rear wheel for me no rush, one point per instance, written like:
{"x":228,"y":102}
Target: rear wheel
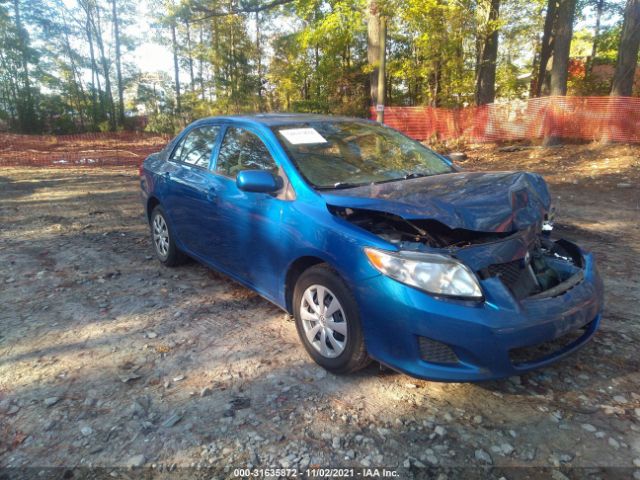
{"x":163,"y":241}
{"x":327,"y":321}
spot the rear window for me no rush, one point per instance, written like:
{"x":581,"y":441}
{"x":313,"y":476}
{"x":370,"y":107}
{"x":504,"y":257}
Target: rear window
{"x":197,"y":146}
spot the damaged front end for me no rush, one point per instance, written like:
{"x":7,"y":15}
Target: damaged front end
{"x":548,"y":269}
{"x":527,"y":262}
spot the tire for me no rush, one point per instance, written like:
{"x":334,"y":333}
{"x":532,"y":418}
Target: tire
{"x":344,"y":350}
{"x":162,"y":239}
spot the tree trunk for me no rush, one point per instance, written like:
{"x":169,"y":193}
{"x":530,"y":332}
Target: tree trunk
{"x":200,"y":65}
{"x":26,"y":111}
{"x":105,"y":70}
{"x":478,"y":52}
{"x":190,"y":55}
{"x":436,"y":87}
{"x":95,"y":77}
{"x":176,"y":66}
{"x":534,"y":69}
{"x":562,"y":46}
{"x":418,"y":91}
{"x":259,"y":60}
{"x":546,"y":47}
{"x":76,"y":77}
{"x":373,"y":49}
{"x":215,"y":42}
{"x":10,"y":89}
{"x":560,"y":68}
{"x":116,"y":33}
{"x":627,"y":51}
{"x":233,"y":67}
{"x":596,"y":34}
{"x":486,"y":80}
{"x":317,"y":67}
{"x":382,"y":67}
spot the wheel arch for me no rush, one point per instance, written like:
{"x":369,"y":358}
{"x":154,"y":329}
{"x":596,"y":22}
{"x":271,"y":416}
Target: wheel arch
{"x":297,"y":268}
{"x":152,"y":202}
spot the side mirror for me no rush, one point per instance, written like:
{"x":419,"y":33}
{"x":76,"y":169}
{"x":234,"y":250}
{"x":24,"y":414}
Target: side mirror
{"x":260,"y":181}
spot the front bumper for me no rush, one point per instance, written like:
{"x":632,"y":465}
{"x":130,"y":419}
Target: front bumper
{"x":486,"y":338}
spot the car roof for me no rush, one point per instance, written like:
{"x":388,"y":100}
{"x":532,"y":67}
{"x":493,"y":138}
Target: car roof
{"x":275,"y":119}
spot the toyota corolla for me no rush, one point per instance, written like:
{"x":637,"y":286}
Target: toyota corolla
{"x":379,"y":247}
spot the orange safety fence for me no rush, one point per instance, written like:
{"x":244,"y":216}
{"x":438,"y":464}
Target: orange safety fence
{"x":572,"y":118}
{"x":87,"y":149}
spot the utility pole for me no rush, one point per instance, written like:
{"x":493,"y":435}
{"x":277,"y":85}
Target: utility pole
{"x":381,"y":69}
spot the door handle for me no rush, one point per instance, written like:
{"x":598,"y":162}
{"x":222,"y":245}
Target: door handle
{"x":212,"y":195}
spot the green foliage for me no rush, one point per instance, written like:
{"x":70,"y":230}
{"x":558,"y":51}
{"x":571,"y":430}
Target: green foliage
{"x":596,"y":80}
{"x":440,"y":62}
{"x":104,"y":126}
{"x":509,"y":84}
{"x":321,"y":68}
{"x":608,"y":42}
{"x":58,"y":66}
{"x":161,"y":123}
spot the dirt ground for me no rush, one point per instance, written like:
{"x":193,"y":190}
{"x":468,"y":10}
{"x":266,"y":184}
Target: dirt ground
{"x":94,"y":149}
{"x":109,"y":359}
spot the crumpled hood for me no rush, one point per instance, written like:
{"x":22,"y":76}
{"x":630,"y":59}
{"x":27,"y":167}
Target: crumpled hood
{"x":479,"y":201}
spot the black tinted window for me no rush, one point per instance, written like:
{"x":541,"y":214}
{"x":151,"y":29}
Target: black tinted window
{"x":196,"y":147}
{"x":243,"y":150}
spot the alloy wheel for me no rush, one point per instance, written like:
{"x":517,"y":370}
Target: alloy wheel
{"x":161,"y":235}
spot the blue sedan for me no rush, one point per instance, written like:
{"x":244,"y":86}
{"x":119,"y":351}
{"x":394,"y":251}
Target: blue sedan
{"x":379,"y":247}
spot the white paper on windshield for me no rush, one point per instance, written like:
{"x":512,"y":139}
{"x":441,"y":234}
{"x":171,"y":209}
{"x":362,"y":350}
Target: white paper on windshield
{"x":301,"y":136}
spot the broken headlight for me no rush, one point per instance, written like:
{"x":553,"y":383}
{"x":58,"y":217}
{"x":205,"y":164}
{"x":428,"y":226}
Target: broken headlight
{"x":433,"y":273}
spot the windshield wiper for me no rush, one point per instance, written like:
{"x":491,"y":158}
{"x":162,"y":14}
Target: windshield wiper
{"x":405,"y":177}
{"x":415,"y":175}
{"x":340,"y":185}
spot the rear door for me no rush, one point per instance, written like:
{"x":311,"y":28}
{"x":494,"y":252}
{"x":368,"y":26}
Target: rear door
{"x":190,"y":187}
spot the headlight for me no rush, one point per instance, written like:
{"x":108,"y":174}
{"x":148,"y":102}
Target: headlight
{"x":437,"y":274}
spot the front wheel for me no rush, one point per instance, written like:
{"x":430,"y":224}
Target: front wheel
{"x":163,"y":240}
{"x":327,"y":321}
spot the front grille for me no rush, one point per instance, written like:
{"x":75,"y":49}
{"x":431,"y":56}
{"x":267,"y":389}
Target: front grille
{"x":522,"y":355}
{"x":436,"y":352}
{"x":516,"y":277}
{"x":508,"y":272}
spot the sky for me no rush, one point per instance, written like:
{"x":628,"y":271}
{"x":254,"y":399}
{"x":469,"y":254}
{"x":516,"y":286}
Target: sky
{"x":150,"y":56}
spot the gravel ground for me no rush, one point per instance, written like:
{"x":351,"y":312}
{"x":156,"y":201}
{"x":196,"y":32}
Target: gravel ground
{"x":109,"y":359}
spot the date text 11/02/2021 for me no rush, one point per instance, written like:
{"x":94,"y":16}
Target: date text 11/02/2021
{"x":316,"y":472}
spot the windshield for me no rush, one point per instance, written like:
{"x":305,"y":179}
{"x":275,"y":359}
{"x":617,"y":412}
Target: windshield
{"x":348,"y":154}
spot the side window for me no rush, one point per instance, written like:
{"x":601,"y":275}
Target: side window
{"x":243,"y":150}
{"x":196,"y":147}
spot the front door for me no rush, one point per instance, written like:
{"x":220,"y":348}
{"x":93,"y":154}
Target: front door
{"x":246,"y":241}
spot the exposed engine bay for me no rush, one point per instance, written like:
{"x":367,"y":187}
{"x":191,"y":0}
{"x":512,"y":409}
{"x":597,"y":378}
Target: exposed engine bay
{"x":547,"y":269}
{"x":402,"y":232}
